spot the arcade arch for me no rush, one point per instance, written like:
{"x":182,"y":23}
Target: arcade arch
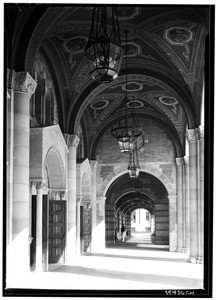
{"x":125,"y":195}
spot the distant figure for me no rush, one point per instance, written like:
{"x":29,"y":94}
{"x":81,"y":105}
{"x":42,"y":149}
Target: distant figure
{"x":122,"y":232}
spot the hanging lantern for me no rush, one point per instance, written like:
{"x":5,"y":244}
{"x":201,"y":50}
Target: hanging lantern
{"x":133,"y":166}
{"x":103,"y":49}
{"x":126,"y":128}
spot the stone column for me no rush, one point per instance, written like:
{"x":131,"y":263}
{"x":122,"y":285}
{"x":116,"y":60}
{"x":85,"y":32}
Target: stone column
{"x":100,"y":229}
{"x":78,"y":247}
{"x":179,"y":164}
{"x":186,"y":206}
{"x":73,"y":141}
{"x":39,"y":216}
{"x":192,"y":139}
{"x":22,"y":86}
{"x":172,"y":223}
{"x":94,"y":164}
{"x":200,"y":163}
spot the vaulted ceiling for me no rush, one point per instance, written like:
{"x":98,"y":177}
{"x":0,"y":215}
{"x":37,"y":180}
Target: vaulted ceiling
{"x":165,"y":63}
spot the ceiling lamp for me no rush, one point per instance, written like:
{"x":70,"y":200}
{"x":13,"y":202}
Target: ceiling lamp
{"x":133,"y":166}
{"x":103,"y":49}
{"x":126,"y":128}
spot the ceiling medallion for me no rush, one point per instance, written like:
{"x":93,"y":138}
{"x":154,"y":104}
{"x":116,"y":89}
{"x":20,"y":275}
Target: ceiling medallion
{"x":101,"y":104}
{"x":132,"y":86}
{"x":168,"y":100}
{"x":135,"y":104}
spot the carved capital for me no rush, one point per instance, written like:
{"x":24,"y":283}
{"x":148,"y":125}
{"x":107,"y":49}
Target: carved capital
{"x":73,"y":140}
{"x":21,"y":82}
{"x":79,"y":199}
{"x":38,"y":184}
{"x":200,"y":132}
{"x":186,"y":160}
{"x":191,"y":135}
{"x":179,"y":161}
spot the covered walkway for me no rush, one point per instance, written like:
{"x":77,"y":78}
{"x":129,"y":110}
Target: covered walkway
{"x":135,"y":264}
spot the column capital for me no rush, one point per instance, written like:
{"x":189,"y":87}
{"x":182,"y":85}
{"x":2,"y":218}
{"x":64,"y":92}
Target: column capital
{"x":79,"y":199}
{"x":38,"y":184}
{"x":21,"y":82}
{"x":191,"y":135}
{"x":179,"y":161}
{"x":200,"y":132}
{"x":72,"y":140}
{"x":186,"y":160}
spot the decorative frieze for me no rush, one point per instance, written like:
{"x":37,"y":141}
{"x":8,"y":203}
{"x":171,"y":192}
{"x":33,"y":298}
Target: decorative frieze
{"x":21,"y":82}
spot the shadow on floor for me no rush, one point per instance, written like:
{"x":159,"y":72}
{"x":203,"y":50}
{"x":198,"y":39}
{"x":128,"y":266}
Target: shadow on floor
{"x":186,"y":283}
{"x":138,"y":246}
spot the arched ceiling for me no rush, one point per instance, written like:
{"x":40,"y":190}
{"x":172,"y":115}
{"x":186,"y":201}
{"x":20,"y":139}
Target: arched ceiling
{"x":165,"y":64}
{"x":147,"y":187}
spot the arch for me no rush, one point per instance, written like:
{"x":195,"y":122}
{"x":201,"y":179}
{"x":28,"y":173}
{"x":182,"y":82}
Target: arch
{"x":156,"y":172}
{"x":53,"y":163}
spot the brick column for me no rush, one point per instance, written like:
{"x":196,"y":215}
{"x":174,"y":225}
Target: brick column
{"x":72,"y":141}
{"x":21,"y":86}
{"x":192,"y":139}
{"x":94,"y":164}
{"x":179,"y":164}
{"x":186,"y":206}
{"x":172,"y":223}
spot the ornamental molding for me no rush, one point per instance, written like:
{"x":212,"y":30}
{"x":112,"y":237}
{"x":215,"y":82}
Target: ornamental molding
{"x":195,"y":134}
{"x":179,"y":161}
{"x":73,"y":140}
{"x":21,"y":82}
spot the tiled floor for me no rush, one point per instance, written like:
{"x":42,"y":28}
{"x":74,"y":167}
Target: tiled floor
{"x":132,"y":265}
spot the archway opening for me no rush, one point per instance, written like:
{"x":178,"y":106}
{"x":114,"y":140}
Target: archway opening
{"x":148,"y":197}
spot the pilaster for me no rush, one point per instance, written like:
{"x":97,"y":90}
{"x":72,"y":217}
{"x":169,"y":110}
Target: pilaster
{"x":94,"y":164}
{"x":179,"y":164}
{"x":72,"y":142}
{"x":172,"y":222}
{"x":192,"y":139}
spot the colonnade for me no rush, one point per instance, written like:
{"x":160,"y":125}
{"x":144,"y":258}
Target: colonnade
{"x":190,"y":189}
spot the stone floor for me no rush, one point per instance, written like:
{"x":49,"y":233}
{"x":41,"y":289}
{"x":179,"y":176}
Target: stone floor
{"x":135,"y":264}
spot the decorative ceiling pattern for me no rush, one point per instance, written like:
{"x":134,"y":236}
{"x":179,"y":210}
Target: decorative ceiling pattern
{"x":165,"y":53}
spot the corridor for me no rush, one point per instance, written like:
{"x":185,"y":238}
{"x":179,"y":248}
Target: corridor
{"x":135,"y":264}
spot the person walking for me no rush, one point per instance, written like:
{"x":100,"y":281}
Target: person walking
{"x":122,"y":232}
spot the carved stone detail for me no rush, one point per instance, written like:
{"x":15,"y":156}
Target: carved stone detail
{"x":38,"y":184}
{"x":73,"y":140}
{"x":186,"y":160}
{"x":21,"y":82}
{"x":195,"y":134}
{"x":200,"y":132}
{"x":179,"y":161}
{"x":191,"y":135}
